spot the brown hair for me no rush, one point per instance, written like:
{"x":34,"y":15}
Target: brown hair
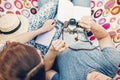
{"x":20,"y":62}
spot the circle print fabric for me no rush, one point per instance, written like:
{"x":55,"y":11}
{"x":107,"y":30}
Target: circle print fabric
{"x":107,"y":14}
{"x":27,"y":8}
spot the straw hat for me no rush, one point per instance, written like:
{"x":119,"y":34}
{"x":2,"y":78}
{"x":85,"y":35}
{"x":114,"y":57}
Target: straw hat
{"x":12,"y":25}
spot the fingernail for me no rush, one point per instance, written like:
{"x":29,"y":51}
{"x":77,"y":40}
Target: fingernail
{"x":52,"y":23}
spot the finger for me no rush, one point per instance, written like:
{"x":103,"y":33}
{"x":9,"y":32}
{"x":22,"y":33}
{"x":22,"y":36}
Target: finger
{"x":86,"y":18}
{"x":51,"y":22}
{"x":63,"y":48}
{"x":84,"y":25}
{"x":96,"y":79}
{"x":58,"y":44}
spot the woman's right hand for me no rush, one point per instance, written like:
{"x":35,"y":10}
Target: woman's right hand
{"x":58,"y":46}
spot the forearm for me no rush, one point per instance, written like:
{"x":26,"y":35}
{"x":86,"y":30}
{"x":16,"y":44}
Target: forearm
{"x":98,"y":31}
{"x":49,"y":59}
{"x":102,"y":35}
{"x":27,"y":36}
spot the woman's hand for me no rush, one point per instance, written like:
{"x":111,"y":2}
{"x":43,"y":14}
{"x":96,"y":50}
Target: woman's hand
{"x":48,"y":25}
{"x":86,"y":22}
{"x":58,"y":46}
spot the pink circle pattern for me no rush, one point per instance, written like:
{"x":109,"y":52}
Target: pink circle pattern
{"x":107,"y":14}
{"x":19,"y":7}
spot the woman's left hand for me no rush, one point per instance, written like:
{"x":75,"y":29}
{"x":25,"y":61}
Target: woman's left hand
{"x":48,"y":25}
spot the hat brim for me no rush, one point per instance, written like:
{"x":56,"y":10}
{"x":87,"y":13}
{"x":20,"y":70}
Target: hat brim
{"x":23,"y":28}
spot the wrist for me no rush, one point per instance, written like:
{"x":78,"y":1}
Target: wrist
{"x":42,"y":30}
{"x":52,"y":50}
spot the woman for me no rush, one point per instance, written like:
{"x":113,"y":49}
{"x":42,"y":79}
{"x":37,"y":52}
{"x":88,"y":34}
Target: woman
{"x":18,"y":61}
{"x":31,"y":65}
{"x":22,"y":62}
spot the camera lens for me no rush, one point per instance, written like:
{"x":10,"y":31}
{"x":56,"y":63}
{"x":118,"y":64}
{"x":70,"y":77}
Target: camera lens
{"x":72,"y":21}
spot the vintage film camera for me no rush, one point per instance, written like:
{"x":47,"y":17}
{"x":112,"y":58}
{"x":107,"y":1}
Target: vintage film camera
{"x":73,"y":34}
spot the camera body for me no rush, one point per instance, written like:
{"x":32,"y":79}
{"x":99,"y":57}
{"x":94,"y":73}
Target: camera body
{"x":72,"y":26}
{"x":73,"y":34}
